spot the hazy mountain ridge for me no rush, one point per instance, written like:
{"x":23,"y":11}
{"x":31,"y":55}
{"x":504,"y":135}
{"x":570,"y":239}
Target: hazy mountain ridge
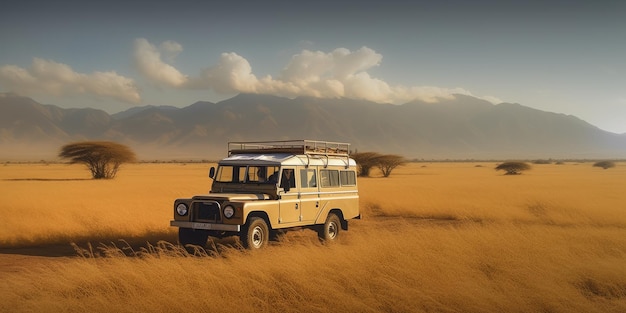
{"x":135,"y":110}
{"x":462,"y":128}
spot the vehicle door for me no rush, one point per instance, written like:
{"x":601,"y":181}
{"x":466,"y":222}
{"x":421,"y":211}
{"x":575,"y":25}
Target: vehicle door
{"x":309,"y":194}
{"x":289,"y":203}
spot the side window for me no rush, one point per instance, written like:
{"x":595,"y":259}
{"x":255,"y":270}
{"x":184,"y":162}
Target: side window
{"x":348,"y":178}
{"x":288,"y":179}
{"x":308,"y":178}
{"x":329,"y":178}
{"x":272,"y":174}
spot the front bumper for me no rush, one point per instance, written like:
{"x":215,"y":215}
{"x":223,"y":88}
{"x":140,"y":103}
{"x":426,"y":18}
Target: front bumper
{"x":207,"y":226}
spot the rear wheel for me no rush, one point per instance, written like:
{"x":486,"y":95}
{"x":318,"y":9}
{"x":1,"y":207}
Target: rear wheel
{"x":196,"y":237}
{"x":331,"y":228}
{"x":255,"y":234}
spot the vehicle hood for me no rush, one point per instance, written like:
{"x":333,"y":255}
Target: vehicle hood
{"x":233,"y":196}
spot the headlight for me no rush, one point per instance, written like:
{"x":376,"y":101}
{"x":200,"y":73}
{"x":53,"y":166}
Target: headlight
{"x":229,"y":211}
{"x":181,"y":209}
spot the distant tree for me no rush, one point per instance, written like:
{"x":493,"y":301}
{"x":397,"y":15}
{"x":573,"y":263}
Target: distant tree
{"x":541,"y":161}
{"x":604,"y":164}
{"x":513,"y":167}
{"x":103,"y":158}
{"x":388,"y":162}
{"x":365,"y":161}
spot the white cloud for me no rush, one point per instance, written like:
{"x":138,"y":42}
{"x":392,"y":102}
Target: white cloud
{"x":335,"y":74}
{"x":362,"y":86}
{"x":232,"y":74}
{"x":171,"y":49}
{"x":49,"y":77}
{"x":347,"y":63}
{"x":339,"y":73}
{"x":149,"y":63}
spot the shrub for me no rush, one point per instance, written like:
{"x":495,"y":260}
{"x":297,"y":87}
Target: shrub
{"x":513,"y":167}
{"x":541,"y":161}
{"x":604,"y":164}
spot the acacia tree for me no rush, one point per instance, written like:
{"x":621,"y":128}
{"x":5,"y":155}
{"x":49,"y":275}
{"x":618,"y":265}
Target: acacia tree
{"x":365,"y":161}
{"x":102,"y":158}
{"x":388,"y":162}
{"x":513,"y":167}
{"x":604,"y":164}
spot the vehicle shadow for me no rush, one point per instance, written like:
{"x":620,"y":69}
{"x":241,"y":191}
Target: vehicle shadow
{"x":71,"y":247}
{"x":46,"y":179}
{"x":152,"y":244}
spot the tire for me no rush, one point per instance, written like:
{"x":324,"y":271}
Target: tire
{"x":196,"y":237}
{"x":329,"y":232}
{"x":255,"y":234}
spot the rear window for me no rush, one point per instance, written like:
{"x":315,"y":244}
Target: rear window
{"x":348,"y":178}
{"x":335,"y":178}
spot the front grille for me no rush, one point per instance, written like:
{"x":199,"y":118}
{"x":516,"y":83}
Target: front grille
{"x":207,"y":211}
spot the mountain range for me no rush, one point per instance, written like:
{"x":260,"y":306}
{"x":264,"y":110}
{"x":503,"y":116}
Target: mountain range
{"x":460,"y":128}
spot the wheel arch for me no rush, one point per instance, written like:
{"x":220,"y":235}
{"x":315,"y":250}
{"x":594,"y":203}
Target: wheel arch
{"x":260,"y":214}
{"x":339,"y":213}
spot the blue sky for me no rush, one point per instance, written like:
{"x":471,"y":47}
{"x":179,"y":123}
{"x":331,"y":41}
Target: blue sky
{"x":559,"y":56}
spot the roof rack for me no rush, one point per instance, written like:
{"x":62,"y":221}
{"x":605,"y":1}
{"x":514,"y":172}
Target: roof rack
{"x":307,"y":147}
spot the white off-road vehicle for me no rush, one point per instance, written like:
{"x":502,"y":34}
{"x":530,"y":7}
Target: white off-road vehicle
{"x":265,"y":187}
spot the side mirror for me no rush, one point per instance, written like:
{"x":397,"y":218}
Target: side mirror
{"x":212,"y":172}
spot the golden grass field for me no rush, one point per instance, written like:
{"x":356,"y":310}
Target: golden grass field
{"x":435,"y":237}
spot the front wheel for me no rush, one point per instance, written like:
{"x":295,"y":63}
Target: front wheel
{"x":330,"y":230}
{"x":255,"y":234}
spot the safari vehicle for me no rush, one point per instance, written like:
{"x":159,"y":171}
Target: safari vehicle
{"x":266,"y":187}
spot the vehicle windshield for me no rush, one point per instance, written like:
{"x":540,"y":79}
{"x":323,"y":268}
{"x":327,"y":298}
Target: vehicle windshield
{"x":247,"y":174}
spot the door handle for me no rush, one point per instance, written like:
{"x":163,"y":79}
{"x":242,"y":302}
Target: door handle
{"x":296,"y":206}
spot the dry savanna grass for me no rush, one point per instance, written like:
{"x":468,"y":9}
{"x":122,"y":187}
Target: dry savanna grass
{"x":435,"y":237}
